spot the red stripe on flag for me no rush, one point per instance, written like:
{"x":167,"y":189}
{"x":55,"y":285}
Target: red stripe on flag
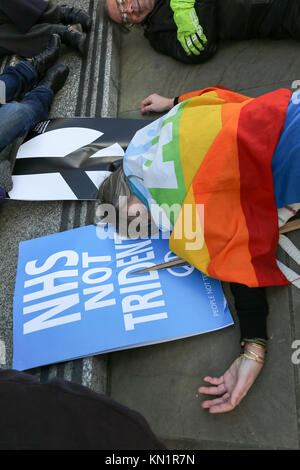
{"x":260,"y":125}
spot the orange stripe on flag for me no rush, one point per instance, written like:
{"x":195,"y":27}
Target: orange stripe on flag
{"x":225,"y":225}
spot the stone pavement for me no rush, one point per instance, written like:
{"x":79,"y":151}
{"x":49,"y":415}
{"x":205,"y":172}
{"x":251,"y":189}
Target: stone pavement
{"x":161,"y":381}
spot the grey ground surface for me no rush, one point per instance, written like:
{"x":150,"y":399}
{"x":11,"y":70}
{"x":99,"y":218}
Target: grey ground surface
{"x":161,"y":381}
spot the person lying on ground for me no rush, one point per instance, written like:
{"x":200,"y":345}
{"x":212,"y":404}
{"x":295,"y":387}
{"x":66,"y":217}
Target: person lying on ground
{"x":37,"y":80}
{"x":26,"y":26}
{"x":192,"y":30}
{"x":212,"y":172}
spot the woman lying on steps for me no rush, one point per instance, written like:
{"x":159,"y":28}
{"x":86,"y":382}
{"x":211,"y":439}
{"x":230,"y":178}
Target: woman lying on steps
{"x":235,"y":159}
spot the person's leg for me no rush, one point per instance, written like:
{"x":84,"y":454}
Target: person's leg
{"x":22,"y":77}
{"x":66,"y":15}
{"x":12,"y":41}
{"x":4,"y":52}
{"x":51,"y":15}
{"x":17,"y":118}
{"x":18,"y":79}
{"x":35,"y":41}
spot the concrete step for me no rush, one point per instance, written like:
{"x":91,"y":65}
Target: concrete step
{"x":91,"y":90}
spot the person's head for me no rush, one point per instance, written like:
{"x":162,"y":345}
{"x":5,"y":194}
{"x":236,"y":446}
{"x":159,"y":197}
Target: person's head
{"x":121,"y":206}
{"x":129,"y":11}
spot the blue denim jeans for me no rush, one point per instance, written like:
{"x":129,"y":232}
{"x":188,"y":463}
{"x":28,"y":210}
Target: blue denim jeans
{"x":17,"y":118}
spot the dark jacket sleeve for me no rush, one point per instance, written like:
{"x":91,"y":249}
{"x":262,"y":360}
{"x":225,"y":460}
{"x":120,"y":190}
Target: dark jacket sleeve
{"x":23,"y":13}
{"x":252,"y":310}
{"x":160,"y":29}
{"x":247,"y":19}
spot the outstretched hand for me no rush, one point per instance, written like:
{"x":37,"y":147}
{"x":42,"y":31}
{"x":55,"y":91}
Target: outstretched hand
{"x":156,"y":104}
{"x":232,"y":386}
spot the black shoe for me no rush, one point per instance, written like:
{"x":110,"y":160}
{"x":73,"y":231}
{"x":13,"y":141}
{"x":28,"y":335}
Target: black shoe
{"x":56,"y":77}
{"x":73,"y":15}
{"x":73,"y":38}
{"x":48,"y":57}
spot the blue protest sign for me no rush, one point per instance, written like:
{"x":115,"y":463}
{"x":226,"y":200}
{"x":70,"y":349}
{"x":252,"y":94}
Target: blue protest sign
{"x":76,"y":295}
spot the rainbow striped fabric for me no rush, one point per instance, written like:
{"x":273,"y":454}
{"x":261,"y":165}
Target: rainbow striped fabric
{"x":211,"y":157}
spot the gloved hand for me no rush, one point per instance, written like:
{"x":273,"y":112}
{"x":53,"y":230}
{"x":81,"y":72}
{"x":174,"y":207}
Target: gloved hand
{"x":189,"y":32}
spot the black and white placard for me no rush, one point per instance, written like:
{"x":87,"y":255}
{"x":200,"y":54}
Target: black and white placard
{"x":67,"y":159}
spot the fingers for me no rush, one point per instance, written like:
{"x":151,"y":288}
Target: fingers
{"x":146,"y":105}
{"x":201,"y":35}
{"x":214,"y":380}
{"x":219,"y":390}
{"x":147,"y":101}
{"x":222,"y":408}
{"x":233,"y":387}
{"x":216,"y":401}
{"x":156,"y":103}
{"x":192,"y":45}
{"x":152,"y":103}
{"x":185,"y":46}
{"x":197,"y":43}
{"x":219,"y":405}
{"x":146,"y":109}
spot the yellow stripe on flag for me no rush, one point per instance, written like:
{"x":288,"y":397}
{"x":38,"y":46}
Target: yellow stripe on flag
{"x":194,"y":137}
{"x":187,"y":240}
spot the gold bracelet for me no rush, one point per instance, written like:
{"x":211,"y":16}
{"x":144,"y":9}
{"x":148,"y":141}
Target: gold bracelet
{"x":256,"y":341}
{"x":248,"y":351}
{"x":255,"y":345}
{"x":252,"y":358}
{"x":254,"y":348}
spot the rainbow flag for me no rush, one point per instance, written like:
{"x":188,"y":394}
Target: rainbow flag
{"x":211,"y":157}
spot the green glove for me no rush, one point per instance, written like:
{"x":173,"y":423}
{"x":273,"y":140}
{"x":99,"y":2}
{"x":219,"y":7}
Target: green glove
{"x":189,"y":32}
